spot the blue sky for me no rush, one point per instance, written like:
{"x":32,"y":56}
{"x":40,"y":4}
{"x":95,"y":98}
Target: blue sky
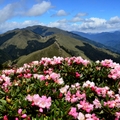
{"x":71,"y":15}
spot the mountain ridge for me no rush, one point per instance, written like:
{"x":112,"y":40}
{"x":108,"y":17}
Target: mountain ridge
{"x":24,"y":44}
{"x":110,"y":39}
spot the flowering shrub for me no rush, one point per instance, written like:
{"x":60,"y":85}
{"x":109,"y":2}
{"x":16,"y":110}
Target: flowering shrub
{"x":61,"y":89}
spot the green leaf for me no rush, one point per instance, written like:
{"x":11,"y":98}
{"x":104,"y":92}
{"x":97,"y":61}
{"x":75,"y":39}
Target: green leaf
{"x":1,"y":92}
{"x":57,"y":103}
{"x":1,"y":107}
{"x":42,"y":118}
{"x":3,"y":102}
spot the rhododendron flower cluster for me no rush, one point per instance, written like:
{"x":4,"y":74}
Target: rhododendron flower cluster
{"x":5,"y":80}
{"x":69,"y":88}
{"x":41,"y":102}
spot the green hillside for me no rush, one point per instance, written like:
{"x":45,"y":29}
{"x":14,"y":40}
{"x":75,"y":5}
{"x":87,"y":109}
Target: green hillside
{"x":33,"y":43}
{"x":4,"y":56}
{"x":52,"y":50}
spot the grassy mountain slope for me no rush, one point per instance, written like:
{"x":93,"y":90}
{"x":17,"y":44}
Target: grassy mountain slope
{"x":46,"y":31}
{"x":85,"y":49}
{"x":52,"y":50}
{"x":95,"y":53}
{"x":4,"y":57}
{"x":8,"y":35}
{"x":35,"y":42}
{"x":25,"y":42}
{"x":20,"y":39}
{"x":110,"y":39}
{"x":67,"y":46}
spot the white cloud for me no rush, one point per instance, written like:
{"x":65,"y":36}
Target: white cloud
{"x":80,"y":14}
{"x":19,"y":9}
{"x":39,"y":9}
{"x":76,"y":19}
{"x":91,"y":25}
{"x":62,"y":24}
{"x":88,"y":25}
{"x":7,"y":12}
{"x":60,"y":13}
{"x":99,"y":25}
{"x":114,"y":20}
{"x":12,"y":25}
{"x":113,"y":23}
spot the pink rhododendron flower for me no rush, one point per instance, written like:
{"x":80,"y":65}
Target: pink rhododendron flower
{"x":110,"y":104}
{"x":97,"y":103}
{"x":64,"y":89}
{"x":20,"y":111}
{"x":57,"y":60}
{"x":6,"y":81}
{"x":5,"y":117}
{"x":91,"y":117}
{"x":68,"y":96}
{"x":49,"y":71}
{"x":77,"y":85}
{"x":60,"y":95}
{"x":8,"y":72}
{"x":28,"y":75}
{"x":41,"y":110}
{"x":24,"y":116}
{"x":73,"y":112}
{"x":20,"y":70}
{"x":60,"y":81}
{"x":16,"y":118}
{"x":77,"y":75}
{"x":73,"y":98}
{"x":101,"y":91}
{"x":45,"y":61}
{"x":79,"y":60}
{"x":85,"y":106}
{"x":29,"y":98}
{"x":36,"y":99}
{"x":76,"y":94}
{"x":80,"y":96}
{"x":54,"y":76}
{"x":42,"y":102}
{"x":117,"y":114}
{"x":110,"y":93}
{"x":35,"y":62}
{"x":119,"y":91}
{"x":88,"y":84}
{"x":26,"y":65}
{"x":40,"y":77}
{"x":73,"y":87}
{"x":80,"y":116}
{"x":85,"y":62}
{"x":115,"y":72}
{"x":107,"y":63}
